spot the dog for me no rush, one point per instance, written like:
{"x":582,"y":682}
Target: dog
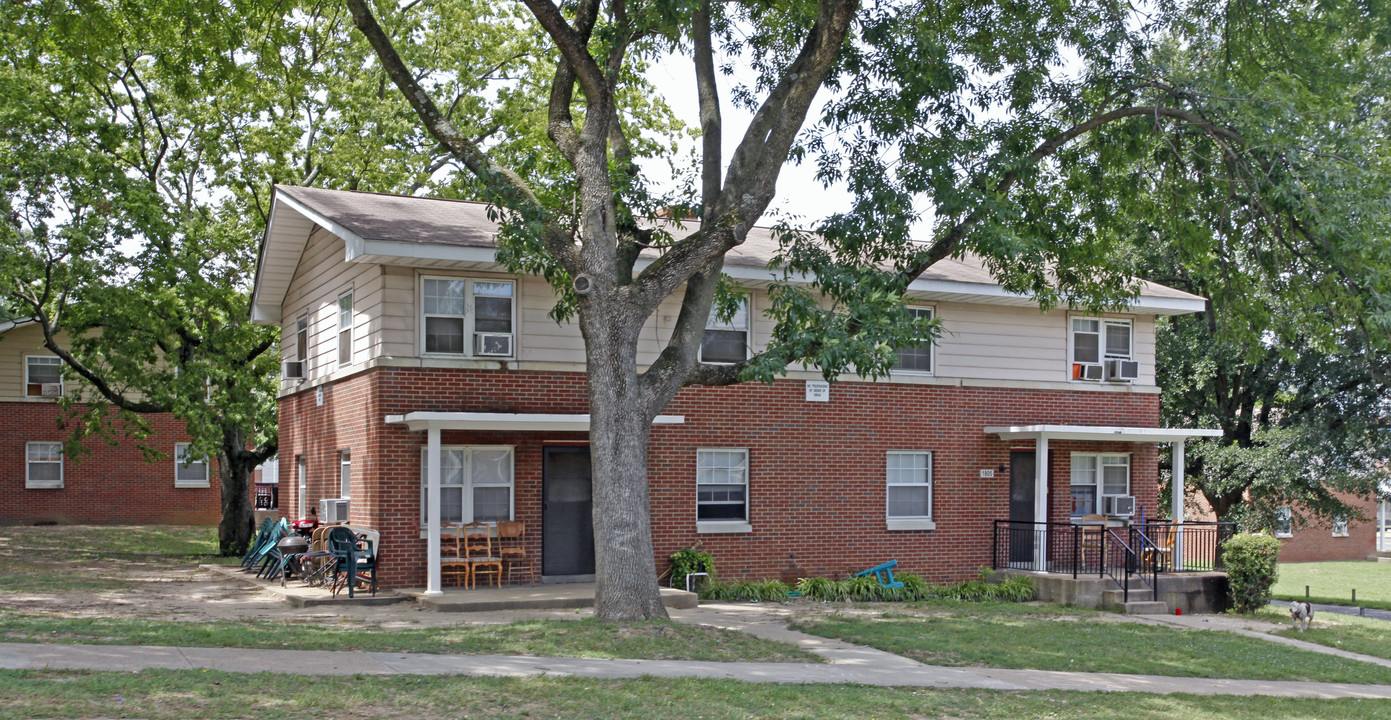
{"x":1301,"y":612}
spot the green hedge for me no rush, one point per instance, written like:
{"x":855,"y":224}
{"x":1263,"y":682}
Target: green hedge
{"x":1015,"y":588}
{"x":1251,"y":569}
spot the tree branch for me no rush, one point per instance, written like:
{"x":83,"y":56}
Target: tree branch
{"x":711,"y":127}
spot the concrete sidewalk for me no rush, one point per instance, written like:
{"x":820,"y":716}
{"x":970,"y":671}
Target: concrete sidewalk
{"x":864,"y":671}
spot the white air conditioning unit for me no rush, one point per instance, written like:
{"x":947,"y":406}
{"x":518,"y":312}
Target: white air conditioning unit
{"x":51,"y":390}
{"x":1086,"y":371}
{"x":1118,"y":505}
{"x":293,"y":369}
{"x":1122,"y":370}
{"x":493,"y":344}
{"x":333,"y":510}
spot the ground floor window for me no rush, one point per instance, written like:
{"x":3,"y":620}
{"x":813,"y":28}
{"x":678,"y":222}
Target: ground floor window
{"x":909,"y":493}
{"x":189,"y":472}
{"x":475,"y":484}
{"x":43,"y":465}
{"x":722,"y":485}
{"x":1284,"y":523}
{"x":1096,"y":476}
{"x":1340,"y":526}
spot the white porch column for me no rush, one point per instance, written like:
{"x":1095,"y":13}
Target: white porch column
{"x":432,"y":513}
{"x":1177,"y":492}
{"x":1041,"y":502}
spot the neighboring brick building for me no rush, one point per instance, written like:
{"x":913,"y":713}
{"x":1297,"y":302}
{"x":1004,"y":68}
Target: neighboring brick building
{"x":400,"y":326}
{"x":1323,"y":540}
{"x":109,"y":484}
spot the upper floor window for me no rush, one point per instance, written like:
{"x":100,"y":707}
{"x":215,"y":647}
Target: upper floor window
{"x":345,"y":328}
{"x":302,"y":338}
{"x":916,"y":357}
{"x":469,"y":317}
{"x":1096,"y":341}
{"x":189,"y":471}
{"x":43,"y":376}
{"x":726,"y":342}
{"x":43,"y":465}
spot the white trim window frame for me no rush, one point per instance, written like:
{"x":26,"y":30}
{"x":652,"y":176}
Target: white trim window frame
{"x":720,"y":337}
{"x":908,"y":490}
{"x":459,"y":314}
{"x":1094,"y":476}
{"x":913,"y":357}
{"x":1094,"y":340}
{"x":345,"y":473}
{"x":31,"y":362}
{"x":722,"y":490}
{"x":189,"y":474}
{"x":476,"y":483}
{"x":302,"y":342}
{"x":1284,"y":523}
{"x":46,"y":457}
{"x":345,"y":328}
{"x":1340,"y":526}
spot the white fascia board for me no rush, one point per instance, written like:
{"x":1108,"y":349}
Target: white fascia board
{"x":427,"y":251}
{"x":258,"y":313}
{"x":1098,"y":433}
{"x":418,"y":421}
{"x":9,"y":325}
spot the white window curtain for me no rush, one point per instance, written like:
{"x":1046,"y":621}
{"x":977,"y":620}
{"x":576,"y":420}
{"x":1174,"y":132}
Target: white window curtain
{"x":486,"y":473}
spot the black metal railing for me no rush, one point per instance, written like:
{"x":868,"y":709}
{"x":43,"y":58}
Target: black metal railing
{"x":1143,"y":550}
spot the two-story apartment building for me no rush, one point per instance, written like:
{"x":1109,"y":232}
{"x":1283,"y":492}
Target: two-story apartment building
{"x":407,"y":344}
{"x":108,"y":484}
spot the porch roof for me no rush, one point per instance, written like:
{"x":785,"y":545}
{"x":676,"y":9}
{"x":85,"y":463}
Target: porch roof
{"x":418,"y":421}
{"x":1102,"y":433}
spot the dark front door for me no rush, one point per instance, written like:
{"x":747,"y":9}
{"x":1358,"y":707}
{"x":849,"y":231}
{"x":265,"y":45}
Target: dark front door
{"x":1021,"y":506}
{"x":567,"y":524}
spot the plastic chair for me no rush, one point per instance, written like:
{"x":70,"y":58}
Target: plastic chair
{"x":478,"y":553}
{"x":511,"y":542}
{"x":352,"y":561}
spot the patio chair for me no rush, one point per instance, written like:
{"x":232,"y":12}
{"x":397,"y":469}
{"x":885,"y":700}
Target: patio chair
{"x":354,"y":563}
{"x":478,"y":553}
{"x":1093,"y":530}
{"x":1161,"y":552}
{"x":453,"y":564}
{"x":257,"y":540}
{"x":511,"y":541}
{"x":262,"y":555}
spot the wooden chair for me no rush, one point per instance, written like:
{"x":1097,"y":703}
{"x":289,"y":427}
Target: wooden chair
{"x":1162,"y":551}
{"x":1093,"y":538}
{"x":478,"y":553}
{"x":511,"y":541}
{"x":452,"y":561}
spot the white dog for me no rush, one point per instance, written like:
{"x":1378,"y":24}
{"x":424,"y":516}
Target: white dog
{"x":1301,"y":612}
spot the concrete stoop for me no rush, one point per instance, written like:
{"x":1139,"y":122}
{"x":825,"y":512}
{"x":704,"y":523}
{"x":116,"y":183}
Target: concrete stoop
{"x":1145,"y":607}
{"x":1198,"y":592}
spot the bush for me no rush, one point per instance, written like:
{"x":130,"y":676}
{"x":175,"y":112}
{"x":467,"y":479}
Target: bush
{"x":1251,"y":569}
{"x":751,"y":591}
{"x":690,"y":560}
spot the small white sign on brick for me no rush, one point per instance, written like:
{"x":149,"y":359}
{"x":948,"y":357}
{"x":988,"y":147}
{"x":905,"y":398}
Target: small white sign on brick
{"x":987,"y":473}
{"x":818,"y":391}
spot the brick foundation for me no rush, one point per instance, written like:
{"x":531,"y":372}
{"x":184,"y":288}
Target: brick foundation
{"x":109,"y":485}
{"x":816,"y":477}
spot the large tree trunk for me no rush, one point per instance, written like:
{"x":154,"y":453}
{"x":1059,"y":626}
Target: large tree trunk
{"x":625,"y":574}
{"x":234,"y":532}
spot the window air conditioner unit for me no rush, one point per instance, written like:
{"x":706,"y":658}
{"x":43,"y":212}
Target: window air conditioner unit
{"x":1086,"y":371}
{"x":51,"y":390}
{"x":333,"y":510}
{"x":1122,"y":370}
{"x":1118,"y":505}
{"x":494,"y":344}
{"x":293,"y":370}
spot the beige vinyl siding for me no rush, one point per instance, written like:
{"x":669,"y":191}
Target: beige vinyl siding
{"x":992,"y":342}
{"x":321,"y":277}
{"x":16,"y":344}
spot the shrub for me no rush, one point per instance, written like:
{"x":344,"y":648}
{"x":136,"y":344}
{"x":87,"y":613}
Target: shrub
{"x":690,"y":560}
{"x":1251,"y":569}
{"x":752,"y":591}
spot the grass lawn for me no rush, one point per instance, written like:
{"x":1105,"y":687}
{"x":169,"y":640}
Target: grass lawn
{"x":1058,"y":638}
{"x":159,"y":694}
{"x":562,"y":638}
{"x":79,"y":557}
{"x":1333,"y":583}
{"x":1366,"y":636}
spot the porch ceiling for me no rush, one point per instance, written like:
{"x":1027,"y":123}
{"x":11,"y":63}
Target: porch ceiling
{"x":1100,"y":433}
{"x":418,"y":421}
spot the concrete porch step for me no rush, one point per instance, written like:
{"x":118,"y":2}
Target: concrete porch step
{"x":1145,"y":607}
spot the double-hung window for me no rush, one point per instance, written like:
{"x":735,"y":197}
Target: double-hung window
{"x":469,"y":317}
{"x":345,"y":328}
{"x":916,"y":357}
{"x":1340,"y":526}
{"x":189,"y":472}
{"x":475,"y":484}
{"x":1097,"y":340}
{"x":1096,"y":476}
{"x":43,"y":376}
{"x":722,"y":485}
{"x":726,"y":342}
{"x":302,"y":343}
{"x":43,"y":465}
{"x":909,"y":491}
{"x":345,"y":473}
{"x":1284,"y":523}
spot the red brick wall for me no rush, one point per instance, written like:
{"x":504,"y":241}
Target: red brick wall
{"x":110,"y":485}
{"x":1314,"y":542}
{"x":816,"y":487}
